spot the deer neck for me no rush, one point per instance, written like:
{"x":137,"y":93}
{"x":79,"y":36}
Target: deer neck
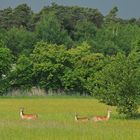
{"x":108,"y":115}
{"x":21,"y":113}
{"x":75,"y":117}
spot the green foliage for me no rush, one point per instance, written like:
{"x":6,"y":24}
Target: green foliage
{"x":116,"y":37}
{"x":72,"y":78}
{"x":20,"y":41}
{"x":112,"y":15}
{"x":84,"y":63}
{"x":22,"y":15}
{"x":5,"y":65}
{"x":105,"y":40}
{"x":118,"y":83}
{"x":21,"y":73}
{"x":70,"y":15}
{"x":5,"y":60}
{"x":3,"y":37}
{"x":49,"y":62}
{"x":126,"y":36}
{"x":85,"y":31}
{"x":18,"y":17}
{"x":6,"y":20}
{"x":49,"y":29}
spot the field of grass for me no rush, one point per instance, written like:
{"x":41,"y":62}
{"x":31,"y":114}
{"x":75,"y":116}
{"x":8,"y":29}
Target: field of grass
{"x":56,"y":120}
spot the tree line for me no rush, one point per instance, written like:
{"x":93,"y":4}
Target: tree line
{"x":73,"y":49}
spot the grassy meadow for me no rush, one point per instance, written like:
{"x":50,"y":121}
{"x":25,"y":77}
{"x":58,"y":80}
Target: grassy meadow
{"x":56,"y":120}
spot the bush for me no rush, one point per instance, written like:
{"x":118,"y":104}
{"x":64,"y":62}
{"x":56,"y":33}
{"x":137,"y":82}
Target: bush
{"x":118,"y":83}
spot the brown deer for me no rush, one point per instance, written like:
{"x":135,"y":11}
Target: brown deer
{"x":102,"y":118}
{"x":27,"y":116}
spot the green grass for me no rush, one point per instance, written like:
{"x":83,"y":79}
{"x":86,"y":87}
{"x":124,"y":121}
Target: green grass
{"x":56,"y":120}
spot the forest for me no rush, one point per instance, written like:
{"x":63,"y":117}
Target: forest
{"x":72,"y":50}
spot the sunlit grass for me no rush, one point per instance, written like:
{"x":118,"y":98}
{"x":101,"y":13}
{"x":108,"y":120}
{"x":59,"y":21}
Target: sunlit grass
{"x":56,"y":120}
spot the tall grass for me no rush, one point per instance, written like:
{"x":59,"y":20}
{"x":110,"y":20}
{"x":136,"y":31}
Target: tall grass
{"x":37,"y":91}
{"x":56,"y":120}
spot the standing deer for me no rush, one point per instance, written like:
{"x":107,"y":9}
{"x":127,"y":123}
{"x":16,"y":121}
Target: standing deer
{"x":27,"y":116}
{"x":102,"y":118}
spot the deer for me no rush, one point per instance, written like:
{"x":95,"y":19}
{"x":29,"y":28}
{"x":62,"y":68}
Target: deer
{"x":81,"y":119}
{"x":27,"y":116}
{"x":102,"y":118}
